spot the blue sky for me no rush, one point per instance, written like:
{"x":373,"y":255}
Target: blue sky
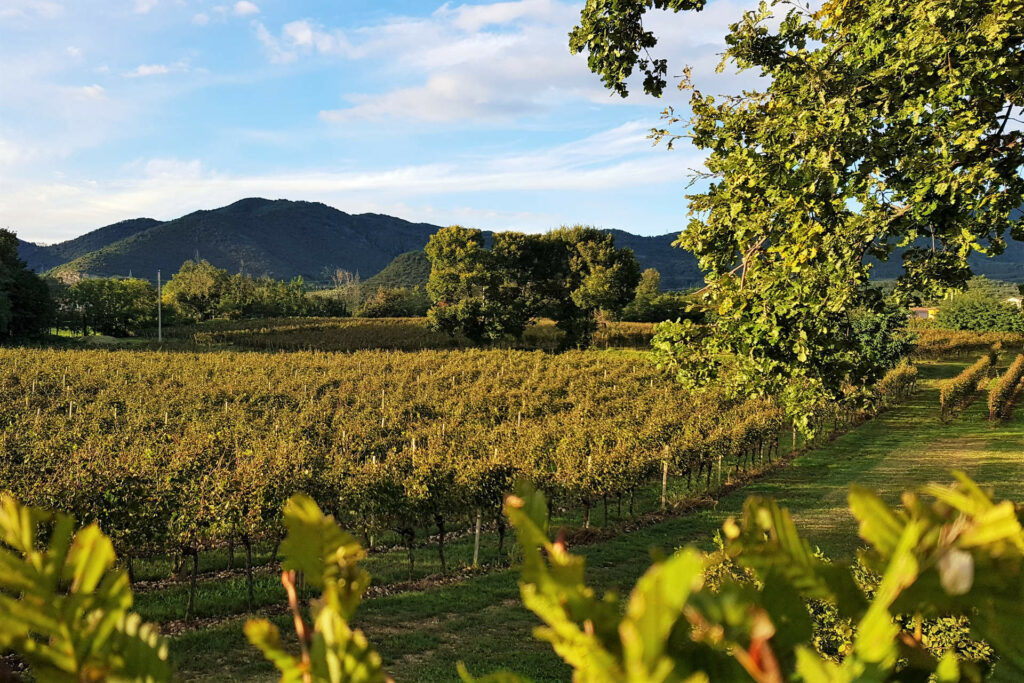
{"x":441,"y":112}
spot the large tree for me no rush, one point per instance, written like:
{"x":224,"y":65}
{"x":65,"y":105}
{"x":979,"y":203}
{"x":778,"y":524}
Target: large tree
{"x":491,"y":295}
{"x":882,"y":124}
{"x":473,"y":289}
{"x":115,"y":306}
{"x":26,"y":308}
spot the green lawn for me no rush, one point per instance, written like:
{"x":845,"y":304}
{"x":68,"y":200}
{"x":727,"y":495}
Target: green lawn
{"x":422,"y":635}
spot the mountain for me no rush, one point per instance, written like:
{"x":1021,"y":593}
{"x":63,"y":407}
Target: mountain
{"x":284,"y":239}
{"x":281,"y":239}
{"x":42,"y":258}
{"x":411,"y":269}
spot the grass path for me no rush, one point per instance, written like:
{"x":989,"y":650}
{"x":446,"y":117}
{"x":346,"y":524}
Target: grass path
{"x":422,"y":635}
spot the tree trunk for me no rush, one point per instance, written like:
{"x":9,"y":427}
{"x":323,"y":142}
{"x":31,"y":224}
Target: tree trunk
{"x":231,"y":552}
{"x":251,"y":599}
{"x":410,"y":540}
{"x":501,"y":535}
{"x":190,"y":606}
{"x":131,"y":570}
{"x":439,"y":520}
{"x":476,"y":541}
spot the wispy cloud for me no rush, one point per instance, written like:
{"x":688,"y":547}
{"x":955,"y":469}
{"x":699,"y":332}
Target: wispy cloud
{"x":613,"y":160}
{"x":144,"y":6}
{"x":244,"y":8}
{"x":143,"y":70}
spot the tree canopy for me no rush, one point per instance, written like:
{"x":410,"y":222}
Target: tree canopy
{"x":492,"y":294}
{"x":881,"y":124}
{"x":26,"y":308}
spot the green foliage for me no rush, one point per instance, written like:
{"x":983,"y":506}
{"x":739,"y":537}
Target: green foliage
{"x":897,"y":385}
{"x":196,"y":289}
{"x":395,"y":302}
{"x":613,"y":36}
{"x":760,"y":616}
{"x":982,"y":308}
{"x":200,"y":291}
{"x":880,"y":124}
{"x":66,"y":610}
{"x":651,"y":305}
{"x":958,"y":392}
{"x":327,"y":557}
{"x":472,"y":288}
{"x":489,"y":295}
{"x":114,"y":306}
{"x":26,"y":308}
{"x":593,"y":276}
{"x":1000,"y":397}
{"x":411,"y":269}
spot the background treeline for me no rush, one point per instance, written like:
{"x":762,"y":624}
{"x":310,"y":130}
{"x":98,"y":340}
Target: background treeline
{"x":492,"y":294}
{"x":985,"y":306}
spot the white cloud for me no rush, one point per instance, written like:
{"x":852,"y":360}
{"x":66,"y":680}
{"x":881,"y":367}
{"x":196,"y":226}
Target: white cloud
{"x":143,"y":70}
{"x":201,"y":19}
{"x":244,"y":8}
{"x":144,"y":6}
{"x":149,"y":70}
{"x":12,"y":153}
{"x":89,"y":92}
{"x":73,"y":51}
{"x":23,"y":9}
{"x":302,"y":38}
{"x":613,"y":160}
{"x":498,"y":61}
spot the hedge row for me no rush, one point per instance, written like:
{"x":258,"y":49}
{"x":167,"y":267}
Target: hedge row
{"x":1000,"y":398}
{"x":958,"y":392}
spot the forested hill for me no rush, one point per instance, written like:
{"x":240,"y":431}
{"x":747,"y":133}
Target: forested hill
{"x":283,"y":239}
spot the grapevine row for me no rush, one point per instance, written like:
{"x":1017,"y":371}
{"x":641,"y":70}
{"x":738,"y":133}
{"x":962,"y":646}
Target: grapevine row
{"x":175,"y":453}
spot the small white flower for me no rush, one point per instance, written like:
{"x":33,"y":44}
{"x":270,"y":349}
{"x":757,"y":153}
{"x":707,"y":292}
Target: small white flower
{"x":956,"y":571}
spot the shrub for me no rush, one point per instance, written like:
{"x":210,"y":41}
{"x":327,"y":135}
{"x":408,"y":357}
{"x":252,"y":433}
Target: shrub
{"x":982,"y":308}
{"x":958,"y":392}
{"x":896,"y":385}
{"x":395,"y":302}
{"x":1000,"y":398}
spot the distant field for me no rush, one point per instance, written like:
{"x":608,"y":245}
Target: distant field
{"x":399,"y":334}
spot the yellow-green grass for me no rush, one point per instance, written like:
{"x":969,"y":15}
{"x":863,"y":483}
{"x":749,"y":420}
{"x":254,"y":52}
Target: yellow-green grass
{"x":422,"y":634}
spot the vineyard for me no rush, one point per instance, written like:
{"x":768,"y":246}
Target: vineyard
{"x":395,"y":334}
{"x":183,"y":455}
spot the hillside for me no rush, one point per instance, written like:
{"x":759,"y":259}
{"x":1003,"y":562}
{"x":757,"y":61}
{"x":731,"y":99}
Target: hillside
{"x":284,"y":239}
{"x":411,"y":269}
{"x":281,"y":239}
{"x":41,"y":258}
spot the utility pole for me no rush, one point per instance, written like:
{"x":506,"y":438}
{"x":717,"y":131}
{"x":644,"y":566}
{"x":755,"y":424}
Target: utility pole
{"x":159,"y":310}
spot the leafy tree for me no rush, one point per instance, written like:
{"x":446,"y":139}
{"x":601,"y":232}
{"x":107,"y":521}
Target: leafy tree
{"x":26,"y":308}
{"x":195,"y":290}
{"x":882,"y":125}
{"x":491,"y":294}
{"x":472,"y":294}
{"x":982,"y":308}
{"x":395,"y":302}
{"x":650,"y":305}
{"x":594,"y":276}
{"x":115,"y":306}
